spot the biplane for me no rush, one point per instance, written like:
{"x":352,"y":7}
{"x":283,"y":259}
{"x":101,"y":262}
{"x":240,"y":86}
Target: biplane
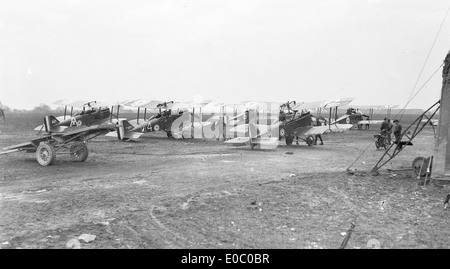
{"x":68,"y":135}
{"x":199,"y":119}
{"x":290,"y":124}
{"x":354,"y":115}
{"x":161,"y":118}
{"x":257,"y":124}
{"x":164,"y":114}
{"x":319,"y":106}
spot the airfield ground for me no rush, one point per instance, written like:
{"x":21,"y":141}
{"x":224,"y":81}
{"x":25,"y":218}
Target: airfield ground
{"x":167,"y":193}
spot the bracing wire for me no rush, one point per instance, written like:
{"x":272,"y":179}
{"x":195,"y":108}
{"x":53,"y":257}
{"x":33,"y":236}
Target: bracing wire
{"x":429,"y":52}
{"x":360,"y":155}
{"x":421,"y":88}
{"x":411,"y":96}
{"x":399,"y":112}
{"x":423,"y":66}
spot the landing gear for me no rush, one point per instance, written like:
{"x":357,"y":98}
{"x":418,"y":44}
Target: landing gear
{"x":310,"y":140}
{"x":289,"y":140}
{"x":169,"y":134}
{"x":282,"y":133}
{"x":79,"y":152}
{"x":45,"y":154}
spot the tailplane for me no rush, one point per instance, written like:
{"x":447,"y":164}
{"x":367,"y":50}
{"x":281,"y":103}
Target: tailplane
{"x":51,"y":125}
{"x":124,"y":131}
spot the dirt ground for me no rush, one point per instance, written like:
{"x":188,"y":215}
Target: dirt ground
{"x":162,"y":193}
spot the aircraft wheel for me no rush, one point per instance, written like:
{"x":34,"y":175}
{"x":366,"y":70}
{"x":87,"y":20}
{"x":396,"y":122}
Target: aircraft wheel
{"x":282,"y":133}
{"x":310,"y":140}
{"x":289,"y":140}
{"x":418,"y":163}
{"x":45,"y":154}
{"x":156,"y":127}
{"x":79,"y":152}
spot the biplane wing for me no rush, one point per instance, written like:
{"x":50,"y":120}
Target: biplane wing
{"x":322,"y":104}
{"x":71,"y":103}
{"x":143,"y":103}
{"x":260,"y":140}
{"x":339,"y":127}
{"x":254,"y":139}
{"x":125,"y":136}
{"x":375,"y":107}
{"x":316,"y":130}
{"x":78,"y":104}
{"x":370,"y":122}
{"x":86,"y":129}
{"x":66,"y":103}
{"x":261,"y":106}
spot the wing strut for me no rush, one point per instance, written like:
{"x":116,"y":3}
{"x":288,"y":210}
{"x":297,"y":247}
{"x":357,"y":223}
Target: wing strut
{"x":412,"y":131}
{"x":138,"y":115}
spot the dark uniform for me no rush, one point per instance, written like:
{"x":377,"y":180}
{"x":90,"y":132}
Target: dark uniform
{"x":397,"y":132}
{"x":384,"y":128}
{"x":389,"y":131}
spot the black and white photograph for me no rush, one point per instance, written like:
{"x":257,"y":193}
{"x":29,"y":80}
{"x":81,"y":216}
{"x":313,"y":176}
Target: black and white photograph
{"x":237,"y":126}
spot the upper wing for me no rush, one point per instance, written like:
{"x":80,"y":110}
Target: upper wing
{"x":267,"y":106}
{"x":110,"y":103}
{"x":338,"y":102}
{"x":376,"y":107}
{"x":143,"y":103}
{"x":322,"y":104}
{"x":70,"y":102}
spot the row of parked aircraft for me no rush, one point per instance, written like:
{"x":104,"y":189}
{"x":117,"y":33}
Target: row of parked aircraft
{"x":261,"y":124}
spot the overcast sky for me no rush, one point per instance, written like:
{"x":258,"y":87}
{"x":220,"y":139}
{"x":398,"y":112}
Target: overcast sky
{"x":227,"y":51}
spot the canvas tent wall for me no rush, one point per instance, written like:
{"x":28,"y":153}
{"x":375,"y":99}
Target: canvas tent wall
{"x":441,"y":161}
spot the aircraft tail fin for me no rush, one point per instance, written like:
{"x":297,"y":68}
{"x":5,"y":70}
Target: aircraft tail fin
{"x":127,"y":125}
{"x":124,"y":131}
{"x":49,"y":123}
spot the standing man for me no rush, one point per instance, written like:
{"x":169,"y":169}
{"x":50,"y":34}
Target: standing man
{"x":398,"y":133}
{"x":318,"y":123}
{"x":389,"y":130}
{"x":384,"y":127}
